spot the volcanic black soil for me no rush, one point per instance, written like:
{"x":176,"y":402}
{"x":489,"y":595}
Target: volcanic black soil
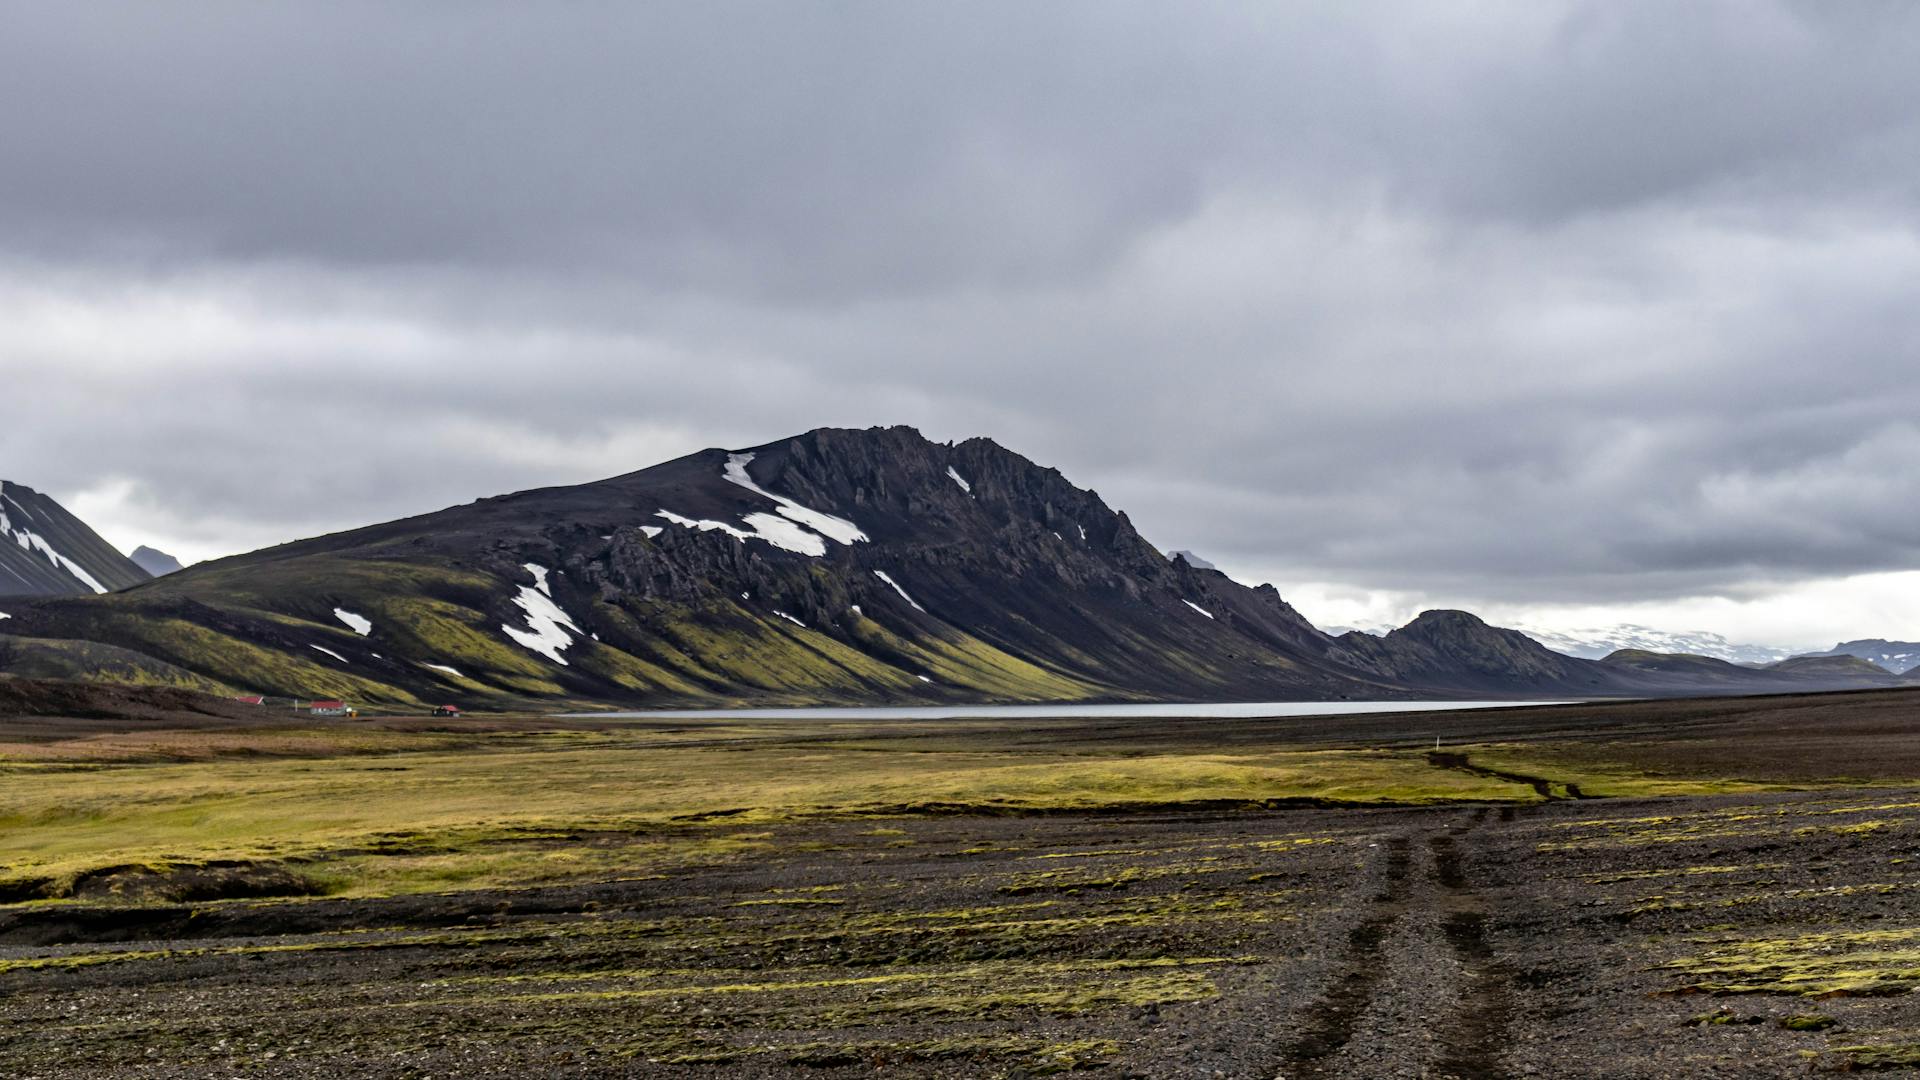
{"x":1734,"y":935}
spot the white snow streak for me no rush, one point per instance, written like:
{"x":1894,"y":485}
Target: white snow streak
{"x":789,"y":618}
{"x":961,"y":480}
{"x":30,"y":541}
{"x":442,"y":667}
{"x":4,"y":615}
{"x":882,"y":575}
{"x":795,"y":528}
{"x":777,"y":531}
{"x":840,"y":529}
{"x":330,"y":652}
{"x":651,"y":531}
{"x":1198,"y":608}
{"x":359,"y":624}
{"x":544,"y":633}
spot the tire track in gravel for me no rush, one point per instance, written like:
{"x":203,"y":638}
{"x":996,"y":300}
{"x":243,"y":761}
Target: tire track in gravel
{"x":1475,"y":1034}
{"x":1331,"y":1021}
{"x":1436,"y":921}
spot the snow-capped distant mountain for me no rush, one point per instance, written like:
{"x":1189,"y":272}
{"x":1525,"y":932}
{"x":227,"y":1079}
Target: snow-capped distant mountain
{"x":1898,"y":657}
{"x":45,"y":551}
{"x":1600,"y":643}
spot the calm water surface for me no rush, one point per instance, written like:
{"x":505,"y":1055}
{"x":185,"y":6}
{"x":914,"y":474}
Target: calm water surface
{"x":989,"y":712}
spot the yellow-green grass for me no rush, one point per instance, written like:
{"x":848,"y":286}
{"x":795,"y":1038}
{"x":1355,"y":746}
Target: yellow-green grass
{"x":474,"y":816}
{"x":1866,"y":963}
{"x":1587,"y":767}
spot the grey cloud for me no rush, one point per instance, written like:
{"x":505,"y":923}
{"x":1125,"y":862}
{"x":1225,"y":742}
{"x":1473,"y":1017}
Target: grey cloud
{"x":1552,"y":302}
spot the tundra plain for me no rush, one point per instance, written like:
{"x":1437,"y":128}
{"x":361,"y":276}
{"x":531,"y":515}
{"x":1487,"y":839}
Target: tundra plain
{"x":1721,"y":888}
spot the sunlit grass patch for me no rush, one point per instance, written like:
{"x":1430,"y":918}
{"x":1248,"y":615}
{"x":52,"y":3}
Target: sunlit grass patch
{"x":1871,"y":963}
{"x":471,"y":815}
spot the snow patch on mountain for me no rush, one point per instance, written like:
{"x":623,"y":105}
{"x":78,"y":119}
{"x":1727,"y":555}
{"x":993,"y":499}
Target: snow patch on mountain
{"x":1198,"y":608}
{"x":331,"y":653}
{"x":33,"y":541}
{"x":882,"y":575}
{"x":778,"y":531}
{"x":442,"y":667}
{"x":833,"y":528}
{"x":544,"y":631}
{"x":359,"y":624}
{"x":790,"y":619}
{"x":961,"y":480}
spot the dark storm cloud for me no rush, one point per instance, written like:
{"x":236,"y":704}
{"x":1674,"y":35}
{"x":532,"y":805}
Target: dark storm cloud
{"x":1556,"y":302}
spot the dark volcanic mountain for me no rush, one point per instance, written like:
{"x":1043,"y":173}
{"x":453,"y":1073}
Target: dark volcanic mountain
{"x":45,"y":551}
{"x":836,"y":566}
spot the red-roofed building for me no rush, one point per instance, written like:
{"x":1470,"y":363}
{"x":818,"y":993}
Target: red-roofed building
{"x":446,"y":710}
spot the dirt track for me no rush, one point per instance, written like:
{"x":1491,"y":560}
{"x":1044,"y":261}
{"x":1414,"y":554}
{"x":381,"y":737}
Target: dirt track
{"x":1736,"y":935}
{"x":1457,"y":942}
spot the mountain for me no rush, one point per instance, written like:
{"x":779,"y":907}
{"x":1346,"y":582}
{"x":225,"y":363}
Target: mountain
{"x":45,"y":551}
{"x":1459,"y":651}
{"x":837,"y":566}
{"x":155,"y":562}
{"x":1831,"y":666}
{"x":1898,"y":657}
{"x":1599,"y":644}
{"x":1192,"y":560}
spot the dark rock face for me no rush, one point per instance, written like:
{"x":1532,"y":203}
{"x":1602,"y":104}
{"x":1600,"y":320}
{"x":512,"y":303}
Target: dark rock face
{"x":46,"y":551}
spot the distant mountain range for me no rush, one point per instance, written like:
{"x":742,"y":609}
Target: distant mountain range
{"x":838,"y":566}
{"x":46,"y":551}
{"x":1598,"y":644}
{"x":1895,"y":656}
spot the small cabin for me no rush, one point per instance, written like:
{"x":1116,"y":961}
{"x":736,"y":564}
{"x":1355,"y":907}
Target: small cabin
{"x":250,"y":699}
{"x":446,"y":710}
{"x":329,"y":708}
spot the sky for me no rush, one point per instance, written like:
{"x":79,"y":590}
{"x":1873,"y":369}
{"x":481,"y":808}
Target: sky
{"x":1567,"y":313}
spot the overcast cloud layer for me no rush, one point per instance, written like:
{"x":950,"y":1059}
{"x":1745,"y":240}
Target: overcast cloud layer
{"x":1565,"y":312}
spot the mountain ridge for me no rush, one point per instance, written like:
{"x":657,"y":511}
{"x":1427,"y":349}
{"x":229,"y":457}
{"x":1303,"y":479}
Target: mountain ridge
{"x":837,"y":566}
{"x":47,"y":551}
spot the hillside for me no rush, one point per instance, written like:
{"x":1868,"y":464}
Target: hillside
{"x":837,"y":566}
{"x":46,"y":551}
{"x":1898,"y":657}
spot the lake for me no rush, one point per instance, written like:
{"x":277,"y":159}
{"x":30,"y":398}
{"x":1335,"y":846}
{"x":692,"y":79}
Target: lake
{"x":1014,"y":712}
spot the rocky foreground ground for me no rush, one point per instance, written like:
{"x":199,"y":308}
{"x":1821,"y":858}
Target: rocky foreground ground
{"x":1743,"y":936}
{"x":1655,"y":889}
